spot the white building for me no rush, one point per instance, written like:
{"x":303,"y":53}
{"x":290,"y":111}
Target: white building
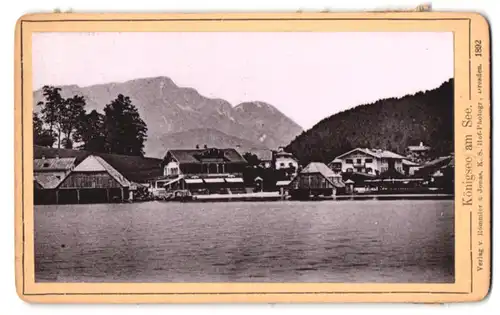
{"x":284,"y":159}
{"x":369,"y":161}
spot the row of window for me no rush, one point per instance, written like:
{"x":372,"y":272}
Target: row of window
{"x":358,"y":161}
{"x":362,"y":170}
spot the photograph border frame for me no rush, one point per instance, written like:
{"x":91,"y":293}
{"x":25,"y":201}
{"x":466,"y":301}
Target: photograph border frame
{"x":471,"y":284}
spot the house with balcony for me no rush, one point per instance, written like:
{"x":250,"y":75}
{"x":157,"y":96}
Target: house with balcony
{"x":208,"y":170}
{"x":368,"y":161}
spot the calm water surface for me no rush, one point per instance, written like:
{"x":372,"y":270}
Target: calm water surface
{"x":329,"y":241}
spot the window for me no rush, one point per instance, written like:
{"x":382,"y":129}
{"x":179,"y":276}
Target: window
{"x":348,"y":161}
{"x":282,"y":164}
{"x":349,"y":170}
{"x":369,"y":161}
{"x":358,"y":161}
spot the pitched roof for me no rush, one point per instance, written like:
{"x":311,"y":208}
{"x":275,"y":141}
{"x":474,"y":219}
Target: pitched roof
{"x":48,"y":181}
{"x":192,"y":155}
{"x":90,"y":164}
{"x":375,"y":153}
{"x":443,"y":160}
{"x":390,"y":155}
{"x":135,"y":168}
{"x":318,"y":167}
{"x":53,"y":164}
{"x":321,"y":168}
{"x":95,"y":163}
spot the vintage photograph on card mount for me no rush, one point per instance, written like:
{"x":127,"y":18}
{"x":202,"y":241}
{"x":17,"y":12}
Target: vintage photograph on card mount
{"x":271,"y":157}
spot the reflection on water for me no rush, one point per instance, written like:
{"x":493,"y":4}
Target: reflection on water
{"x":330,"y":241}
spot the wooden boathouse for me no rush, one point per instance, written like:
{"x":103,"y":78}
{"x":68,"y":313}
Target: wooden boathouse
{"x":92,"y":181}
{"x":315,"y":180}
{"x":48,"y":173}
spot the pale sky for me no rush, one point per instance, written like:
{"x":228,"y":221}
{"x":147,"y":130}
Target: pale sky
{"x":308,"y":76}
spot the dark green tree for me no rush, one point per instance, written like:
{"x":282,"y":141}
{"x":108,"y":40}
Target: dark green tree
{"x":61,"y":115}
{"x":125,"y":131}
{"x":90,"y":132}
{"x":72,"y":113}
{"x":252,"y":159}
{"x":41,"y":136}
{"x":50,"y":109}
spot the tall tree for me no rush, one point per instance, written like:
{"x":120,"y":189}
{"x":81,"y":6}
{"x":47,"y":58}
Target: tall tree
{"x":90,"y":131}
{"x":125,"y":131}
{"x":61,"y":115}
{"x":41,"y":136}
{"x":72,"y":113}
{"x":51,"y":107}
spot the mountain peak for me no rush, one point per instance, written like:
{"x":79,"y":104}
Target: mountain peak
{"x":170,"y":110}
{"x":254,"y":105}
{"x":162,"y":81}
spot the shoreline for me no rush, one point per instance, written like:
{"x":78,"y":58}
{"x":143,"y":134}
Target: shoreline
{"x":272,"y":196}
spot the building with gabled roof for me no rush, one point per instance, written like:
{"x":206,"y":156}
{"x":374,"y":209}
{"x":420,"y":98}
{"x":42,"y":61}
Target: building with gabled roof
{"x":135,"y":168}
{"x":285,"y":160}
{"x":48,"y":173}
{"x":202,"y":162}
{"x":53,"y":164}
{"x":314,"y":180}
{"x":93,"y":180}
{"x":207,"y":170}
{"x":370,"y":161}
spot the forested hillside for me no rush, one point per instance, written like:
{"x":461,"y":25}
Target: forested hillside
{"x":391,"y":124}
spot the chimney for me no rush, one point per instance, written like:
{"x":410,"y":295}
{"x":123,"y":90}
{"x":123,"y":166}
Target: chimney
{"x":205,"y":146}
{"x":197,"y":146}
{"x":43,"y":157}
{"x":421,"y":144}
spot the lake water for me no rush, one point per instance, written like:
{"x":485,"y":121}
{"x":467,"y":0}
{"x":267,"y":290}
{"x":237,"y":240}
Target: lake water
{"x":326,"y":241}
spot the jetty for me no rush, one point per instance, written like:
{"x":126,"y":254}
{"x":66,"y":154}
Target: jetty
{"x":256,"y":196}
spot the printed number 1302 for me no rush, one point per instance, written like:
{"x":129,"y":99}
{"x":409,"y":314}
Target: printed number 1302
{"x":478,"y":48}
